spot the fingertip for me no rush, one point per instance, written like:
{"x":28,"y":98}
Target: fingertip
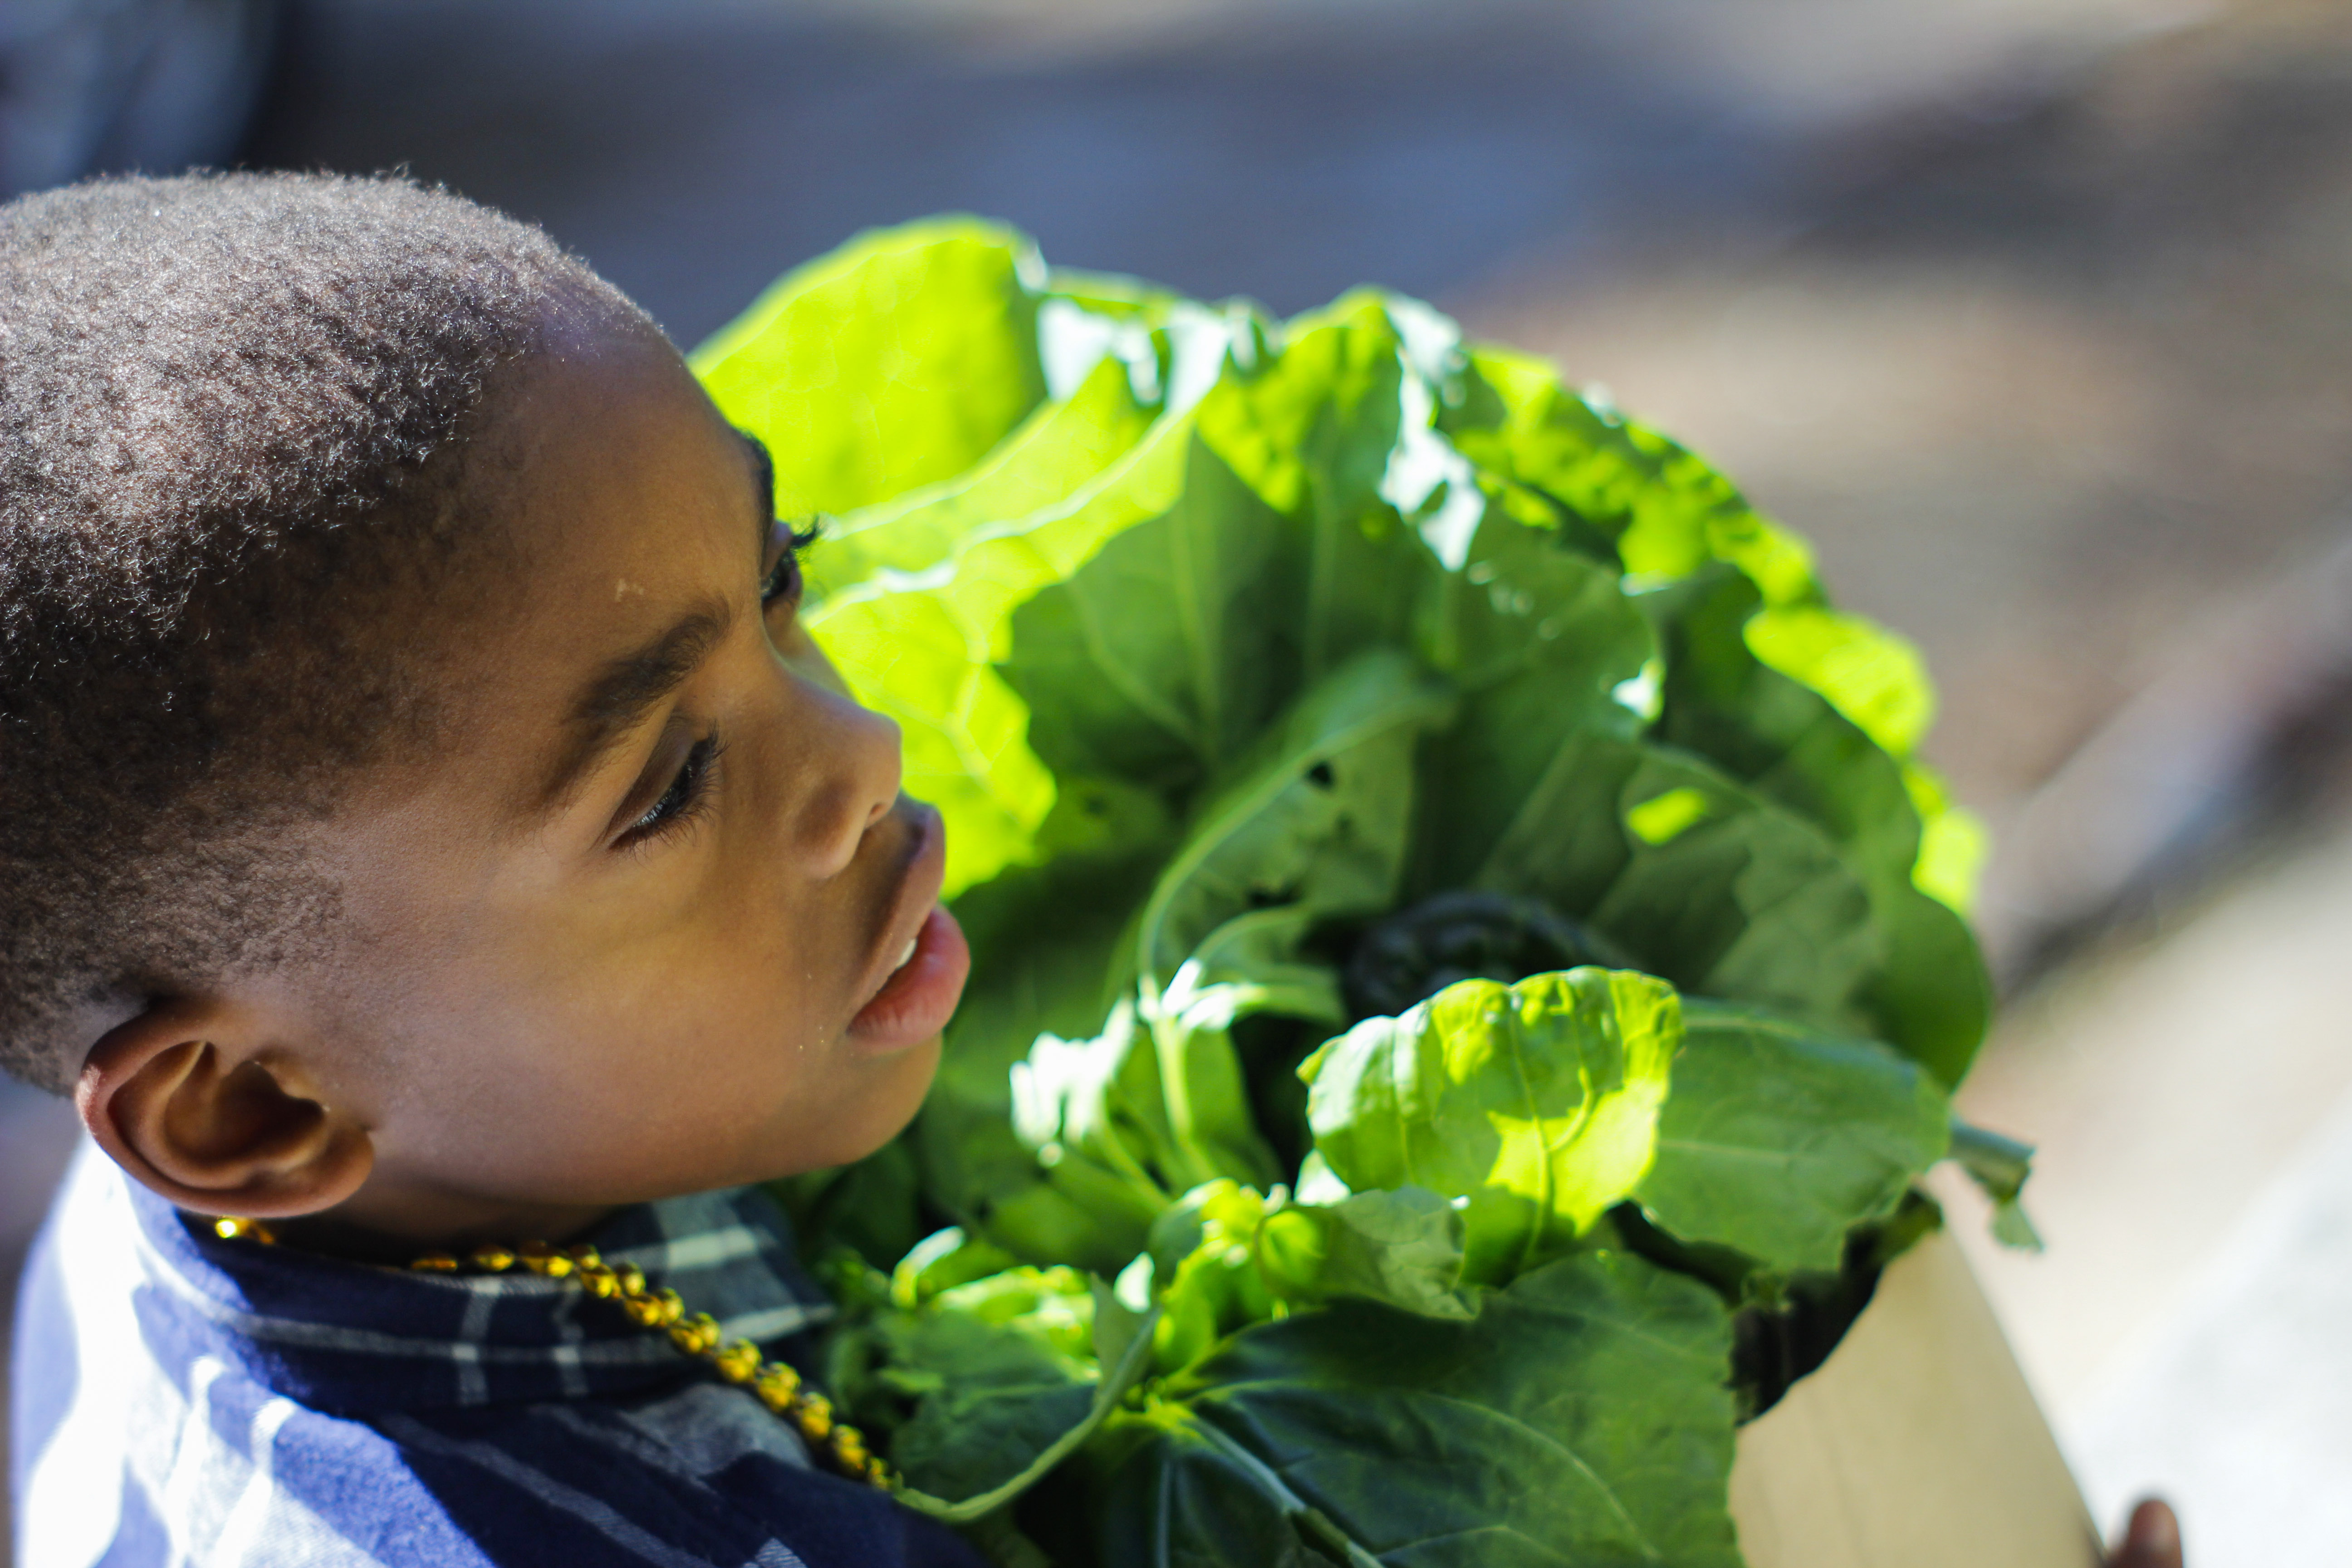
{"x":2152,"y":1538}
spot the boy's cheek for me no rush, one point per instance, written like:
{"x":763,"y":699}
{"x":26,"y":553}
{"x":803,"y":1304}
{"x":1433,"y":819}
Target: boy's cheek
{"x":634,"y":1044}
{"x":604,"y":1123}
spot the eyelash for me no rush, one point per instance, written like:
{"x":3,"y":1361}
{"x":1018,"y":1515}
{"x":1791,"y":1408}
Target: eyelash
{"x":784,"y":580}
{"x":686,"y":799}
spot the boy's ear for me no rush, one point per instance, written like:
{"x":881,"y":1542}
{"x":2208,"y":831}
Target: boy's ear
{"x":190,"y":1098}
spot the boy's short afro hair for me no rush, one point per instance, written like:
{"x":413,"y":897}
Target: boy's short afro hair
{"x":234,"y":411}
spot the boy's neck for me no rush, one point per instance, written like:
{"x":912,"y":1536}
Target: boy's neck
{"x":383,"y":1228}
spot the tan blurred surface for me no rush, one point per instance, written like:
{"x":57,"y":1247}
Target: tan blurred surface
{"x":2190,"y":1091}
{"x":1887,"y":1457}
{"x":2167,"y":1085}
{"x":2236,"y":1404}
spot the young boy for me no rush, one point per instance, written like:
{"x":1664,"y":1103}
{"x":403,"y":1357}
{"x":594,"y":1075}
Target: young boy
{"x":425,"y":829}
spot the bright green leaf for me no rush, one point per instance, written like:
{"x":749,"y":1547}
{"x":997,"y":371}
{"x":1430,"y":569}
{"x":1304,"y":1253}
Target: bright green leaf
{"x":1666,"y":511}
{"x":1953,"y":843}
{"x":896,"y":360}
{"x":1536,"y":1103}
{"x":1061,"y":446}
{"x":1873,"y":678}
{"x":1403,"y":1247}
{"x":1203,"y":1256}
{"x":1663,"y":819}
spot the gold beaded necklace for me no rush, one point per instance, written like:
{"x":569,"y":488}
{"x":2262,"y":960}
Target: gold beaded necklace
{"x":777,"y":1385}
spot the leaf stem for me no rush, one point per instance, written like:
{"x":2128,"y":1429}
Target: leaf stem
{"x":1305,"y":1516}
{"x":1108,"y":1394}
{"x":2000,"y":1164}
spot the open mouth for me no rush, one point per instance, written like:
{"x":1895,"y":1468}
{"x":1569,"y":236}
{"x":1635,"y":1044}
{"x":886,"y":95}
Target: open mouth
{"x":919,"y":994}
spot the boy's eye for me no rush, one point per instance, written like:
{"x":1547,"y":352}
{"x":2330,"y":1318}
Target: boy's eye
{"x":784,"y":583}
{"x":688,"y":791}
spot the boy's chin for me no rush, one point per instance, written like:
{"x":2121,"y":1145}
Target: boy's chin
{"x":861,"y":1126}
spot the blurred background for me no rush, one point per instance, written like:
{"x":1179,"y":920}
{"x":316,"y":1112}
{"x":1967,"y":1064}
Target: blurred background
{"x":2035,"y":315}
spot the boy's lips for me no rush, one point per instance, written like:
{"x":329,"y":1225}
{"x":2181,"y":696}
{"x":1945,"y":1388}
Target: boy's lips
{"x":922,"y":961}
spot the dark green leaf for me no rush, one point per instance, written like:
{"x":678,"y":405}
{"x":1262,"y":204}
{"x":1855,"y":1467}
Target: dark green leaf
{"x":1928,"y":993}
{"x":1694,"y":876}
{"x":1546,"y":647}
{"x":1778,"y":1141}
{"x":996,"y":1371}
{"x":1315,"y":818}
{"x":1005,"y":1382}
{"x":1581,"y":1417}
{"x":1152,"y":660}
{"x":1999,"y":1165}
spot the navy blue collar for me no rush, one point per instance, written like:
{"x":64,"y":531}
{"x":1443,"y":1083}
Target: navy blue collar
{"x":355,"y":1340}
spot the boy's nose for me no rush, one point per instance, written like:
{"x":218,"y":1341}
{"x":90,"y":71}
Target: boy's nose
{"x":852,"y":755}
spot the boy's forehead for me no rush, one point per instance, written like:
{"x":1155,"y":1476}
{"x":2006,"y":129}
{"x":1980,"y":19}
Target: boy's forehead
{"x":645,"y":519}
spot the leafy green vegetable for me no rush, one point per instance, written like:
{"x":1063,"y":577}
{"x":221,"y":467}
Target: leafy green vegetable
{"x":1727,"y":895}
{"x":1205,"y":1267}
{"x":1060,"y":447}
{"x":984,"y":1376}
{"x":1551,"y":652}
{"x":1320,"y":825}
{"x":999,"y":1369}
{"x":1795,"y":746}
{"x":1580,"y":1417}
{"x":1403,"y":1247}
{"x":1536,"y":1104}
{"x":1741,"y":1162}
{"x":1424,"y":839}
{"x":897,"y":361}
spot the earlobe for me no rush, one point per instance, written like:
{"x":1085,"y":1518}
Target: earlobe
{"x":189,"y":1102}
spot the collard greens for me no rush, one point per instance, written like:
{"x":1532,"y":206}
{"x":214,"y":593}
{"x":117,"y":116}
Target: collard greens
{"x":1458,"y":928}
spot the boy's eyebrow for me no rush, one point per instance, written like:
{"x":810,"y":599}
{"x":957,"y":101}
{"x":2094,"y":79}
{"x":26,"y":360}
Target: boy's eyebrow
{"x":617,"y":699}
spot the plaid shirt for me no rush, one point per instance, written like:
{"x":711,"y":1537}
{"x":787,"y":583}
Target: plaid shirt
{"x":182,"y":1400}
